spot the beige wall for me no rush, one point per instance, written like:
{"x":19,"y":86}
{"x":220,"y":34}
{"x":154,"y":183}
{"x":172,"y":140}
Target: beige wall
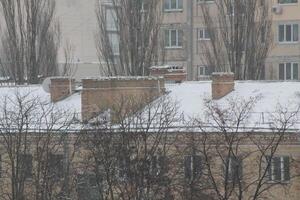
{"x":288,"y":52}
{"x":78,"y":26}
{"x":283,"y":52}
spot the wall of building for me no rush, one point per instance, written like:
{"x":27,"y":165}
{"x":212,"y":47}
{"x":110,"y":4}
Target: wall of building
{"x":78,"y":26}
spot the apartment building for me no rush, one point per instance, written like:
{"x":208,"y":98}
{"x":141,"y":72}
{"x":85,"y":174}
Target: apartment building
{"x":153,"y":146}
{"x":185,"y":33}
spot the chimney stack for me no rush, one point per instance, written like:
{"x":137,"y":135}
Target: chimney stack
{"x":100,"y":94}
{"x":61,"y":87}
{"x":222,"y":84}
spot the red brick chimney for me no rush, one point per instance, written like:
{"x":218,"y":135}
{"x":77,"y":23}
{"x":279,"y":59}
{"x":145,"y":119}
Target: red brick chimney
{"x":222,"y":84}
{"x":100,"y":94}
{"x":61,"y":87}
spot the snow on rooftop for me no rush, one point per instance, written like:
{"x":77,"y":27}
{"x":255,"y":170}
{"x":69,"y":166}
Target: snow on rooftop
{"x":70,"y":104}
{"x":270,"y":97}
{"x":191,"y":97}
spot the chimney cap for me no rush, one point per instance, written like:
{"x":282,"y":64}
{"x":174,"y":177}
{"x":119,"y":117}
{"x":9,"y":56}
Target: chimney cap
{"x":106,"y":78}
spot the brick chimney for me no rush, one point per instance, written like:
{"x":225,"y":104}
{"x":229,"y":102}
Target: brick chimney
{"x":222,"y":84}
{"x":100,"y":94}
{"x":61,"y":87}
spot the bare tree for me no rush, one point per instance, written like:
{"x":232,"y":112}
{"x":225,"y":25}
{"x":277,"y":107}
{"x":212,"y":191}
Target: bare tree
{"x":127,"y":38}
{"x":30,"y":39}
{"x":69,"y":69}
{"x":240,"y":37}
{"x":33,"y":140}
{"x":129,"y":158}
{"x":239,"y":160}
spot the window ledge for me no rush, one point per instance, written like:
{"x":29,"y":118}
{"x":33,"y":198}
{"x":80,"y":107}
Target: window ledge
{"x":174,"y":47}
{"x":205,"y":2}
{"x":296,"y":42}
{"x":172,"y":10}
{"x":288,"y":4}
{"x":204,"y":39}
{"x":279,"y":182}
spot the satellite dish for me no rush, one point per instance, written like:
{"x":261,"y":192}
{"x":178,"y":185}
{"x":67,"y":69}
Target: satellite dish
{"x":46,"y":84}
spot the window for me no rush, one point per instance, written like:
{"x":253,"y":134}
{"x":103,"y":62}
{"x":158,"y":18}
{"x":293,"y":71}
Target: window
{"x":111,"y":19}
{"x":279,"y":168}
{"x":234,"y":168}
{"x":192,"y":166}
{"x":88,"y":186}
{"x":204,"y":71}
{"x":25,"y":164}
{"x":288,"y":33}
{"x":288,"y":71}
{"x":124,"y":168}
{"x":287,"y":1}
{"x":202,"y":34}
{"x":158,"y":165}
{"x":171,"y":5}
{"x":173,"y":38}
{"x":56,"y":165}
{"x":114,"y":43}
{"x":234,"y":9}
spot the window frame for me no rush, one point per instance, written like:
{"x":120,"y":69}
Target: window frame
{"x":193,"y":172}
{"x":168,"y":44}
{"x":169,"y":7}
{"x":271,"y":171}
{"x":292,"y":35}
{"x":284,"y":64}
{"x":204,"y":68}
{"x":234,"y":163}
{"x":204,"y":32}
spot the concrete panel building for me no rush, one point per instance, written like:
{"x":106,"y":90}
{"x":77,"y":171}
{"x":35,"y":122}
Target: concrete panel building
{"x":185,"y":33}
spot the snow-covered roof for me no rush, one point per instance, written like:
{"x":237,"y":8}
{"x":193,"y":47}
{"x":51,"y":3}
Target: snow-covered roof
{"x":270,"y":97}
{"x":191,"y":97}
{"x":71,"y":103}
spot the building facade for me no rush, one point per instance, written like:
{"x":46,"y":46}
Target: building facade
{"x":184,"y":21}
{"x":184,"y":33}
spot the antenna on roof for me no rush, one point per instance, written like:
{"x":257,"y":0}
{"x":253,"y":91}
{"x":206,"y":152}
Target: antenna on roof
{"x":46,"y":84}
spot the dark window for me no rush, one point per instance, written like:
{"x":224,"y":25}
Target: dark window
{"x":192,"y":167}
{"x":288,"y":34}
{"x":87,"y":186}
{"x":288,"y":71}
{"x":295,"y":71}
{"x":281,"y":33}
{"x":56,"y":165}
{"x":124,"y":168}
{"x":281,"y":71}
{"x":295,"y":32}
{"x":159,"y":165}
{"x":279,"y":168}
{"x":234,"y":168}
{"x":25,"y":165}
{"x":173,"y":37}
